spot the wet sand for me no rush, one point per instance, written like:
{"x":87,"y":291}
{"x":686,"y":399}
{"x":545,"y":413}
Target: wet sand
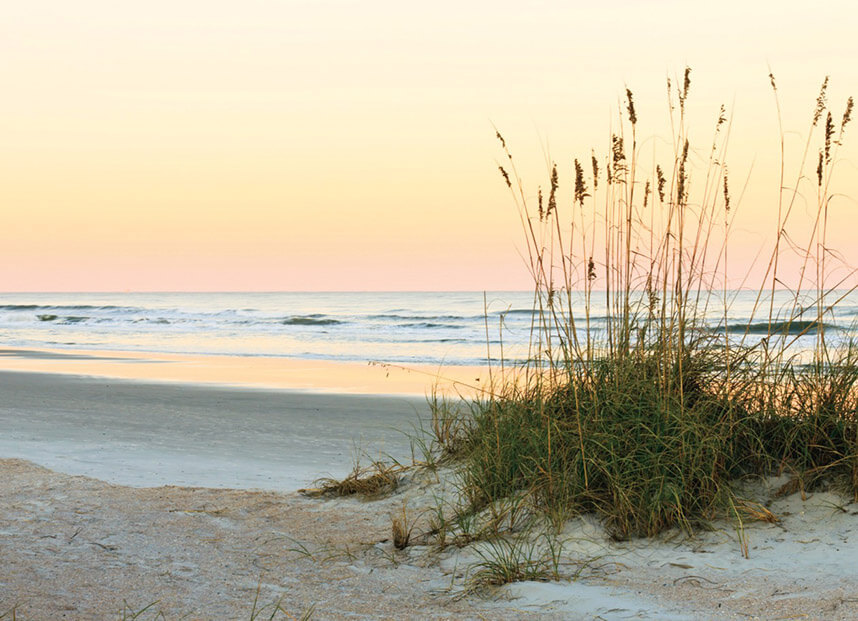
{"x":251,"y":371}
{"x":146,"y":434}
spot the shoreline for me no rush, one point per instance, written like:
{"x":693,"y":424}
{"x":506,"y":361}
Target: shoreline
{"x":325,"y":376}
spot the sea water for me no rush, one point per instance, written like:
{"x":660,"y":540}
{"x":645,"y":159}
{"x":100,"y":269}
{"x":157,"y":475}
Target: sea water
{"x":451,"y":328}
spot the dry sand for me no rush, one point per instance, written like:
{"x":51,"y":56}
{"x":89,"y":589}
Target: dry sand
{"x":72,"y":547}
{"x":78,"y":548}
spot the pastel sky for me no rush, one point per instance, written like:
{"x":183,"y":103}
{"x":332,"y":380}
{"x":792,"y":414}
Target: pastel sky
{"x":349,"y":145}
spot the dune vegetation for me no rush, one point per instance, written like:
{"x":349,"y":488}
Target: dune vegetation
{"x":641,"y":401}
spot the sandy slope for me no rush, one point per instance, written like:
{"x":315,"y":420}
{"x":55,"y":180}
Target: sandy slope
{"x":77,"y":548}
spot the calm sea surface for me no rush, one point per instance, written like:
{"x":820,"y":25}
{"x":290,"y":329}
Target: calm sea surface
{"x":425,"y":327}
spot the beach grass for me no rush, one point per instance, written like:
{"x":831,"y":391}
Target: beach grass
{"x":649,"y":420}
{"x":513,"y":559}
{"x":378,"y":479}
{"x":258,"y":612}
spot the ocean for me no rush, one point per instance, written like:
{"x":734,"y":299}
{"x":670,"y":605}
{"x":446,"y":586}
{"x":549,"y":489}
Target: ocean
{"x":450,"y":328}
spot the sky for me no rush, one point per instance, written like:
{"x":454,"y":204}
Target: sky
{"x":268,"y":145}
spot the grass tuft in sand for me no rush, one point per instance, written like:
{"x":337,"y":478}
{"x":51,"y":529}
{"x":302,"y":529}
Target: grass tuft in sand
{"x":376,"y":480}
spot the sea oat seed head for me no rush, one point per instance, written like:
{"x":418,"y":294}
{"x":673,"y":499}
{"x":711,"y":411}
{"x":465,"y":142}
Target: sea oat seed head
{"x":630,"y":104}
{"x":552,"y":195}
{"x":618,"y":154}
{"x":580,"y":185}
{"x":726,"y":193}
{"x":847,"y":114}
{"x":595,"y":163}
{"x":819,"y":169}
{"x":682,"y":177}
{"x":647,"y":190}
{"x":661,"y":181}
{"x":539,"y":202}
{"x":505,"y":176}
{"x":829,"y":132}
{"x":686,"y":85}
{"x":820,"y":102}
{"x":617,"y":149}
{"x":651,"y":293}
{"x":669,"y":94}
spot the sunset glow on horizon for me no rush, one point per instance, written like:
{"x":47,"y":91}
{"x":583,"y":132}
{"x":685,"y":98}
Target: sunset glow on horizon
{"x":342,"y":145}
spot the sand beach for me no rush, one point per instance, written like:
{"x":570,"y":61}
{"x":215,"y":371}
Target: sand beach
{"x":124,"y":493}
{"x":148,"y":434}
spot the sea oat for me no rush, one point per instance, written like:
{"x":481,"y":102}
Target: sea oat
{"x":847,"y":115}
{"x":595,"y":163}
{"x":505,"y":176}
{"x":580,"y":185}
{"x":682,"y":176}
{"x":686,"y":85}
{"x":630,"y":104}
{"x":618,"y":154}
{"x":669,"y":95}
{"x":722,"y":118}
{"x":819,"y":169}
{"x":820,"y":102}
{"x":552,"y":195}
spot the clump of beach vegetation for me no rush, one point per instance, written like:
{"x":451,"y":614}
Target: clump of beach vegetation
{"x":640,"y":401}
{"x":378,"y":479}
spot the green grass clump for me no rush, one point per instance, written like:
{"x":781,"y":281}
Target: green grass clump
{"x":513,"y":560}
{"x":615,"y":443}
{"x":648,"y":420}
